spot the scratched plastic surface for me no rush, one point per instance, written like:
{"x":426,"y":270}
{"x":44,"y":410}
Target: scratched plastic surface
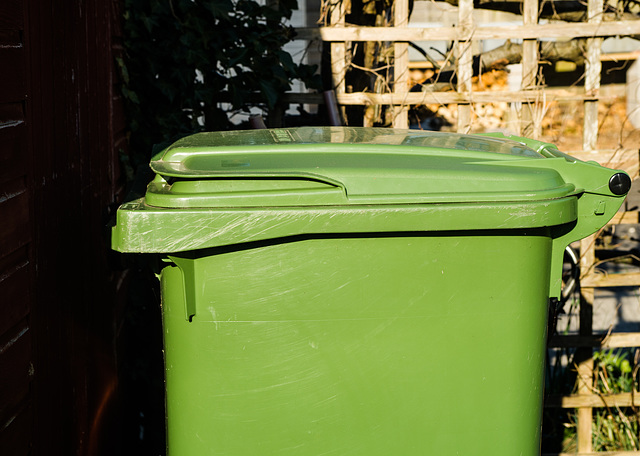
{"x":360,"y":346}
{"x":360,"y":291}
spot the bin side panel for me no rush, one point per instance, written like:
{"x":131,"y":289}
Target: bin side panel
{"x":360,"y":346}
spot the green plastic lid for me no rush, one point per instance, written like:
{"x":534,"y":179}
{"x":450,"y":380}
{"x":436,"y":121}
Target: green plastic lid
{"x":336,"y":166}
{"x":219,"y":188}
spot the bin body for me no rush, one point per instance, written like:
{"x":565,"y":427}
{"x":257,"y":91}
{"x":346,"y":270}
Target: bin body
{"x":405,"y":345}
{"x":296,"y":325}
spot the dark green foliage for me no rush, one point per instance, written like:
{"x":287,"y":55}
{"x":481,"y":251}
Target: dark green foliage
{"x":234,"y":46}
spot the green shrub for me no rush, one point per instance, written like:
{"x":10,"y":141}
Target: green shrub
{"x":181,"y":56}
{"x":615,"y":428}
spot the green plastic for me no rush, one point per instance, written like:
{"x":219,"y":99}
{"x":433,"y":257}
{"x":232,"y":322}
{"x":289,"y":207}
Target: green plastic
{"x":359,"y":291}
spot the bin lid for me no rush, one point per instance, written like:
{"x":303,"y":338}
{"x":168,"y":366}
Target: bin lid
{"x":241,"y":186}
{"x":320,"y":166}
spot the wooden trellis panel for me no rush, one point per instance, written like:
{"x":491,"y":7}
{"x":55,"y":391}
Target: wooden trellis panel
{"x":464,"y":33}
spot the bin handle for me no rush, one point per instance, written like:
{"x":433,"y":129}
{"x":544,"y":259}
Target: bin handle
{"x":186,"y":266}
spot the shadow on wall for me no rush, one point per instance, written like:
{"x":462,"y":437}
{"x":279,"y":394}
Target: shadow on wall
{"x":141,"y":367}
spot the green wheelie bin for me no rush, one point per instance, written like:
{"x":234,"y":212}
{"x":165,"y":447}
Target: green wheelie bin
{"x":356,"y":291}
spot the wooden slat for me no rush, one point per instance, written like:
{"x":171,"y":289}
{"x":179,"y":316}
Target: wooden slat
{"x":10,"y":38}
{"x":12,"y":56}
{"x":401,"y":64}
{"x":15,"y":365}
{"x":14,"y":213}
{"x":12,"y":76}
{"x":14,"y":289}
{"x":464,"y":63}
{"x":584,"y":356}
{"x":13,"y":140}
{"x":11,"y":15}
{"x":621,"y":218}
{"x":553,"y":30}
{"x":585,"y":414}
{"x":435,"y":97}
{"x":15,"y":433}
{"x":598,"y":341}
{"x":338,"y":50}
{"x":623,"y":279}
{"x":593,"y":400}
{"x":530,"y":125}
{"x":593,"y":68}
{"x":10,"y":114}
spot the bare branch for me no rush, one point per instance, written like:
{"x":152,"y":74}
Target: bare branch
{"x":511,"y":53}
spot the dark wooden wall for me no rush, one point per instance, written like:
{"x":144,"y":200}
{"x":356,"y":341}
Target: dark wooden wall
{"x":61,"y":301}
{"x":16,"y":266}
